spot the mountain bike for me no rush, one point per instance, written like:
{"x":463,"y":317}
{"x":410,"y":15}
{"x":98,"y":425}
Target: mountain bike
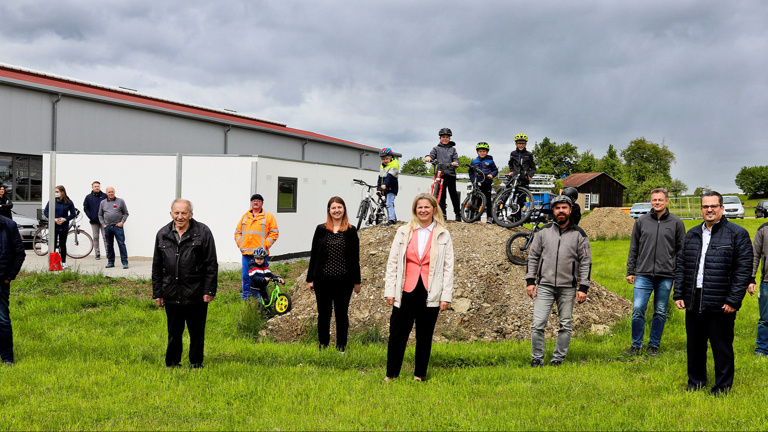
{"x":372,"y":210}
{"x":79,"y":242}
{"x":474,"y":204}
{"x":437,"y":181}
{"x":279,"y":301}
{"x":513,"y":203}
{"x":519,"y":243}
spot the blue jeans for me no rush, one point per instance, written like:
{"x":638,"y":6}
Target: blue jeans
{"x":762,"y":323}
{"x":391,"y":206}
{"x":246,"y":293}
{"x":644,"y":286}
{"x":113,"y":232}
{"x":6,"y":332}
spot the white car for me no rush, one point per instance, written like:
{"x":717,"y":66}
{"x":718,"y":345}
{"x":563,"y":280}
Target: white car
{"x":639,"y":209}
{"x":27,"y":227}
{"x":733,"y":207}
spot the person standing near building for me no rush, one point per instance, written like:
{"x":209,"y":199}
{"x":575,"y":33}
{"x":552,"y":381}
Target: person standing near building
{"x":11,"y":258}
{"x":256,"y":228}
{"x":712,"y":276}
{"x":521,"y":161}
{"x":388,"y":183}
{"x":5,"y":204}
{"x":91,"y":205}
{"x":760,"y":253}
{"x":559,"y":266}
{"x":657,"y":238}
{"x":64,"y":212}
{"x":184,"y":280}
{"x":447,"y":159}
{"x":112,"y":215}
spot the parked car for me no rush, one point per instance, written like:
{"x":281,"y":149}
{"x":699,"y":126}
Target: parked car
{"x":761,"y":210}
{"x":27,"y":227}
{"x":733,"y":207}
{"x":639,"y":209}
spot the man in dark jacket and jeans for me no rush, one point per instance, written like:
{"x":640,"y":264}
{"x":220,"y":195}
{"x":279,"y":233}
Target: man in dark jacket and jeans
{"x":712,"y":275}
{"x":559,"y":261}
{"x":184,"y":281}
{"x":91,"y":206}
{"x":11,"y":258}
{"x":657,"y":237}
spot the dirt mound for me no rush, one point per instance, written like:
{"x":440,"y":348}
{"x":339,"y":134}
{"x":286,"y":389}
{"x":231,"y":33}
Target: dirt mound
{"x":489,"y":299}
{"x":607,"y":222}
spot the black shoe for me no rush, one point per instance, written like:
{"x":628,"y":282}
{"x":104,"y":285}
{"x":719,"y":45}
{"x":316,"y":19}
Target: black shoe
{"x":458,"y":218}
{"x":693,"y":387}
{"x":653,"y":351}
{"x":555,"y":363}
{"x":196,"y":366}
{"x":175,"y":365}
{"x":98,"y":257}
{"x":633,"y":351}
{"x":720,"y":391}
{"x":8,"y":362}
{"x":110,"y":265}
{"x":537,"y":363}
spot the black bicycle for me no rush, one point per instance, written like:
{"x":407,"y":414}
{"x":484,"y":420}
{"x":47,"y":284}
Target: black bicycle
{"x":372,"y":210}
{"x":474,"y":204}
{"x":519,"y":243}
{"x":513,"y":203}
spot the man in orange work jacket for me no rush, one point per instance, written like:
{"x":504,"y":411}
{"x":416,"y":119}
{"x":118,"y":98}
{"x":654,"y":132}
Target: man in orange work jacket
{"x":257,"y":228}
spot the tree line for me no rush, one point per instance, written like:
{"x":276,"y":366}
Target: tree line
{"x":641,"y":166}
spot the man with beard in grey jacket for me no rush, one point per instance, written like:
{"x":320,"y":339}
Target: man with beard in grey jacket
{"x":559,"y":262}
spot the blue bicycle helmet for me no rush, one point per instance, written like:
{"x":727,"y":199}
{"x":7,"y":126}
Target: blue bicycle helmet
{"x":386,"y":151}
{"x":260,"y":252}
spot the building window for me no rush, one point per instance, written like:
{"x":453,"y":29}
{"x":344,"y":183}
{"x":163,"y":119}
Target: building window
{"x":587,"y":201}
{"x":22,"y":176}
{"x":286,"y":194}
{"x":595,"y":199}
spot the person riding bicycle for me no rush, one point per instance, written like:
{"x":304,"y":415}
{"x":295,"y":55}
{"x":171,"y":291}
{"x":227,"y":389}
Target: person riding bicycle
{"x":573,"y":194}
{"x":387,"y":183}
{"x":259,"y":272}
{"x":445,"y":154}
{"x":521,"y":161}
{"x":484,"y":162}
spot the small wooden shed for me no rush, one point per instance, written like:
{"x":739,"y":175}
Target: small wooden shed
{"x":596,"y":189}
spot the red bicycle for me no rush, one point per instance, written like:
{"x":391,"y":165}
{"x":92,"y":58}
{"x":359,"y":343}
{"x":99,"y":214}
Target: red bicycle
{"x":437,"y":181}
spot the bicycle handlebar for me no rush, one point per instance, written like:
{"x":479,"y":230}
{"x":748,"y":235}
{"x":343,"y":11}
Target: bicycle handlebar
{"x":362,"y":183}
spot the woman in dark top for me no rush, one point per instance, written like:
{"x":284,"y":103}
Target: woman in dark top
{"x":334,"y":272}
{"x":65,"y":212}
{"x":5,"y":204}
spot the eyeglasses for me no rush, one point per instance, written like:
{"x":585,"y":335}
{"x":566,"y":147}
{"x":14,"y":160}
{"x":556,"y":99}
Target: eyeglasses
{"x":707,"y":207}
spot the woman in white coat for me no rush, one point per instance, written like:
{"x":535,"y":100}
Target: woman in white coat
{"x":419,"y":283}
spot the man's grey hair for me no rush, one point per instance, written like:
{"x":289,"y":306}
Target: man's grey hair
{"x":713,"y":193}
{"x":661,"y":190}
{"x":180,"y":200}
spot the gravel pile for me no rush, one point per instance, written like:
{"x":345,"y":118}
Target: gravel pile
{"x":489,"y":300}
{"x":606,"y":223}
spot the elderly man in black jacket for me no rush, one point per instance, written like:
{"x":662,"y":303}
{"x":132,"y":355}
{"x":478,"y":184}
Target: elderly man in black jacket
{"x":712,"y":275}
{"x":184,"y":280}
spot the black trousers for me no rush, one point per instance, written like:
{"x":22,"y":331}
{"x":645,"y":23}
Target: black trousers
{"x":194,"y":316}
{"x":718,"y":329}
{"x":333,"y":293}
{"x":413,"y":309}
{"x":449,"y":187}
{"x":61,"y":243}
{"x":486,"y":189}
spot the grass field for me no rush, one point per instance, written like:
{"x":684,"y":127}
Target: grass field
{"x":90,"y":349}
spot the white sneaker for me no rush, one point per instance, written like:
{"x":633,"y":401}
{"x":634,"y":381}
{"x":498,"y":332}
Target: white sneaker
{"x":64,"y":265}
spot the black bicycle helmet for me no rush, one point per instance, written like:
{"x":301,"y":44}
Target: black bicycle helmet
{"x":260,"y":252}
{"x":445,"y":131}
{"x":571,"y":192}
{"x":560,"y":199}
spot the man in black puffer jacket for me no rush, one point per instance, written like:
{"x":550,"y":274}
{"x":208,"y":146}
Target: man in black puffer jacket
{"x":184,"y":281}
{"x":713,"y":272}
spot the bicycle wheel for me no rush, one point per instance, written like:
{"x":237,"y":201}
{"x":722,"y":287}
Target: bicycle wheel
{"x":382,"y":215}
{"x":79,"y":244}
{"x":282,"y":304}
{"x":40,"y":241}
{"x":362,"y":212}
{"x":517,"y":248}
{"x":512,"y":209}
{"x":472,"y":207}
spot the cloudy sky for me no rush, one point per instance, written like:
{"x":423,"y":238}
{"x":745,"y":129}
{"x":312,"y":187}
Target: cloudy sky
{"x":690,"y":74}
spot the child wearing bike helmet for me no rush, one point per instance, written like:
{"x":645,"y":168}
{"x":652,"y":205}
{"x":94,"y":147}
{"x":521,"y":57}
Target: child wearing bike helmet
{"x":484,"y":162}
{"x":445,"y":154}
{"x":387,"y":183}
{"x":259,"y":272}
{"x":521,"y":161}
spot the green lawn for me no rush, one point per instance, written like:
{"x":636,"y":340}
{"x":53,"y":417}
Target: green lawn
{"x":90,"y":350}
